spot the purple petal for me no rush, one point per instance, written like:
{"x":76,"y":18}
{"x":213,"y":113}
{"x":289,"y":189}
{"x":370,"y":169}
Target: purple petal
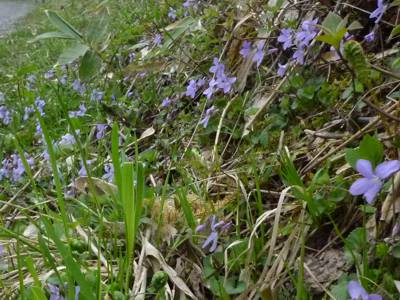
{"x":375,"y":297}
{"x":364,"y":167}
{"x":373,"y":190}
{"x":211,"y":238}
{"x":387,"y":168}
{"x":360,"y":186}
{"x":356,"y":291}
{"x":201,"y":227}
{"x":214,"y":244}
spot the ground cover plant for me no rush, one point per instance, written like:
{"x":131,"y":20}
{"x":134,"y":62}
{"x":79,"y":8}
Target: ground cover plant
{"x":201,"y":150}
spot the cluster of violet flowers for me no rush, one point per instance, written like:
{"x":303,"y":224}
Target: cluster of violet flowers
{"x":372,"y":181}
{"x":215,"y":229}
{"x":299,"y":40}
{"x":258,"y":56}
{"x":13,"y":167}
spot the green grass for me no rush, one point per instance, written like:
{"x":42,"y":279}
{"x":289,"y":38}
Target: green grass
{"x":68,"y":224}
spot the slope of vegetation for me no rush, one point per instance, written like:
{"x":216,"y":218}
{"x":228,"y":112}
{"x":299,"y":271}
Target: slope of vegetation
{"x":201,"y":150}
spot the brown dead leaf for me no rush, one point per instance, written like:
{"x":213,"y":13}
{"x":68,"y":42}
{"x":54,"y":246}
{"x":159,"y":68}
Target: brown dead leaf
{"x":392,"y":201}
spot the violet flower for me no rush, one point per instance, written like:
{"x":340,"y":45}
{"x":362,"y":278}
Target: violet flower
{"x":100,"y":130}
{"x":298,"y":55}
{"x":371,"y":184}
{"x":166,"y":102}
{"x":377,"y":14}
{"x":286,"y":38}
{"x":49,"y":74}
{"x":78,"y":113}
{"x":357,"y":292}
{"x":282,"y":69}
{"x":172,"y":13}
{"x":67,"y":141}
{"x":209,"y":112}
{"x":225,"y":83}
{"x":259,"y":55}
{"x":96,"y":95}
{"x":217,"y":68}
{"x":27,"y":112}
{"x":246,"y":49}
{"x":5,"y":115}
{"x":370,"y":37}
{"x":78,"y":87}
{"x":109,"y":172}
{"x":63,"y":79}
{"x":191,"y":89}
{"x":132,"y":57}
{"x":40,"y":104}
{"x":55,"y":292}
{"x":216,"y":228}
{"x":82,"y":171}
{"x":157,"y":39}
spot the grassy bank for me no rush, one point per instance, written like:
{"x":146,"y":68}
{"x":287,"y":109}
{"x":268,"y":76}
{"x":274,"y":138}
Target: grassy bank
{"x":199,"y":149}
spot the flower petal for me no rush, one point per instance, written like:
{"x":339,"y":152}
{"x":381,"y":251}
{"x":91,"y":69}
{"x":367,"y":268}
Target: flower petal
{"x":387,"y":168}
{"x":356,"y":291}
{"x":374,"y":297}
{"x":364,"y":167}
{"x":373,"y":190}
{"x":360,"y":186}
{"x":214,"y":244}
{"x":211,"y":238}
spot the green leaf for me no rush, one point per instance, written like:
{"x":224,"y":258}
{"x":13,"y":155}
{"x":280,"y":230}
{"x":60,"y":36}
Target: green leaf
{"x":72,"y":53}
{"x":352,"y":155}
{"x":329,"y":39}
{"x":333,"y":23}
{"x":371,"y":149}
{"x":63,"y":25}
{"x":233,"y":287}
{"x":339,"y":290}
{"x":38,"y":293}
{"x":90,"y":65}
{"x":186,"y":207}
{"x":355,"y":25}
{"x":51,"y":35}
{"x":356,"y":239}
{"x":395,"y":32}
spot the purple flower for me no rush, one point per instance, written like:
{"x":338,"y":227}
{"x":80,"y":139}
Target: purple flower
{"x":38,"y":128}
{"x":27,"y":112}
{"x":225,"y":83}
{"x":377,"y":14}
{"x":109,"y":172}
{"x":307,"y":34}
{"x":63,"y":79}
{"x":157,"y":39}
{"x":215,"y":229}
{"x":82,"y":171}
{"x":209,"y":91}
{"x":5,"y":115}
{"x":55,"y":292}
{"x":191,"y":89}
{"x":370,"y":37}
{"x":78,"y":87}
{"x":101,"y":129}
{"x":259,"y":55}
{"x":40,"y":104}
{"x":272,"y":50}
{"x":31,"y":79}
{"x":96,"y":95}
{"x":67,"y":141}
{"x":371,"y":184}
{"x":246,"y":49}
{"x":298,"y":55}
{"x":77,"y":291}
{"x":207,"y":116}
{"x":201,"y":82}
{"x":217,"y":68}
{"x":172,"y":13}
{"x":357,"y":292}
{"x":282,"y":69}
{"x":132,"y":57}
{"x":189,"y":3}
{"x":286,"y":38}
{"x":166,"y":102}
{"x":49,"y":74}
{"x":78,"y":113}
